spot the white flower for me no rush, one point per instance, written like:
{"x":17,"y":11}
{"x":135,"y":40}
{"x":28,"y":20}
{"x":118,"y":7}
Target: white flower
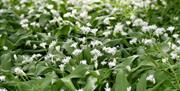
{"x":159,"y":31}
{"x":164,"y":60}
{"x":97,"y":72}
{"x":178,"y":41}
{"x":83,"y":62}
{"x":84,"y":14}
{"x":5,"y":48}
{"x":49,"y":34}
{"x":77,"y":52}
{"x":68,"y":14}
{"x":118,"y":28}
{"x":62,"y":90}
{"x":128,"y":22}
{"x":96,"y":43}
{"x":153,"y":27}
{"x":25,"y":26}
{"x":151,"y":78}
{"x":148,"y":41}
{"x":3,"y":89}
{"x":49,"y":57}
{"x":129,"y":88}
{"x":165,"y":35}
{"x":19,"y":71}
{"x":24,"y":1}
{"x":106,"y":21}
{"x":171,"y":29}
{"x":128,"y":68}
{"x":110,"y":50}
{"x":2,"y":78}
{"x":103,"y":62}
{"x":53,"y":43}
{"x":145,"y":28}
{"x":123,"y":33}
{"x":96,"y":53}
{"x":34,"y":46}
{"x":94,"y":31}
{"x":61,"y":66}
{"x":173,"y":46}
{"x":89,"y":1}
{"x":88,"y":24}
{"x":74,"y":45}
{"x":66,"y":60}
{"x":139,"y":22}
{"x":74,"y":11}
{"x":34,"y":56}
{"x":95,"y":62}
{"x":28,"y":42}
{"x":34,"y":24}
{"x":177,"y":49}
{"x":43,"y":44}
{"x":57,"y":48}
{"x":85,"y":30}
{"x":24,"y":23}
{"x":112,"y":63}
{"x":173,"y":55}
{"x":80,"y":89}
{"x":15,"y":56}
{"x":74,"y":2}
{"x":83,"y":39}
{"x":133,"y":41}
{"x":176,"y":18}
{"x":73,"y":68}
{"x":107,"y":88}
{"x":175,"y":35}
{"x":49,"y":6}
{"x":107,"y":33}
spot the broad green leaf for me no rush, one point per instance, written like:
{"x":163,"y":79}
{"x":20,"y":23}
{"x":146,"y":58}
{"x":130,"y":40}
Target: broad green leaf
{"x":63,"y":32}
{"x":121,"y":83}
{"x":126,"y":61}
{"x":141,"y":85}
{"x":44,"y":18}
{"x":68,"y":83}
{"x":104,"y":74}
{"x":156,"y":87}
{"x":91,"y":84}
{"x":80,"y":71}
{"x":5,"y":61}
{"x":43,"y":84}
{"x":67,"y":46}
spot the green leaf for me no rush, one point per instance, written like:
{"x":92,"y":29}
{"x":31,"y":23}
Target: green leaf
{"x":44,"y":18}
{"x":156,"y":87}
{"x":141,"y":85}
{"x":126,"y":61}
{"x":67,"y":46}
{"x":67,"y":81}
{"x":91,"y":84}
{"x":5,"y":61}
{"x":80,"y":71}
{"x":104,"y":74}
{"x":87,"y":55}
{"x":63,"y":32}
{"x":43,"y":84}
{"x":121,"y":83}
{"x":58,"y":84}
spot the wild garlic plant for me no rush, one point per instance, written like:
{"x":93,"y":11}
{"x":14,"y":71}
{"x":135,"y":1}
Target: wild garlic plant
{"x":89,"y":45}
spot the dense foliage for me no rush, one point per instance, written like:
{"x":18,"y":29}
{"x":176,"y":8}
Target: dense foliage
{"x":89,"y":45}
